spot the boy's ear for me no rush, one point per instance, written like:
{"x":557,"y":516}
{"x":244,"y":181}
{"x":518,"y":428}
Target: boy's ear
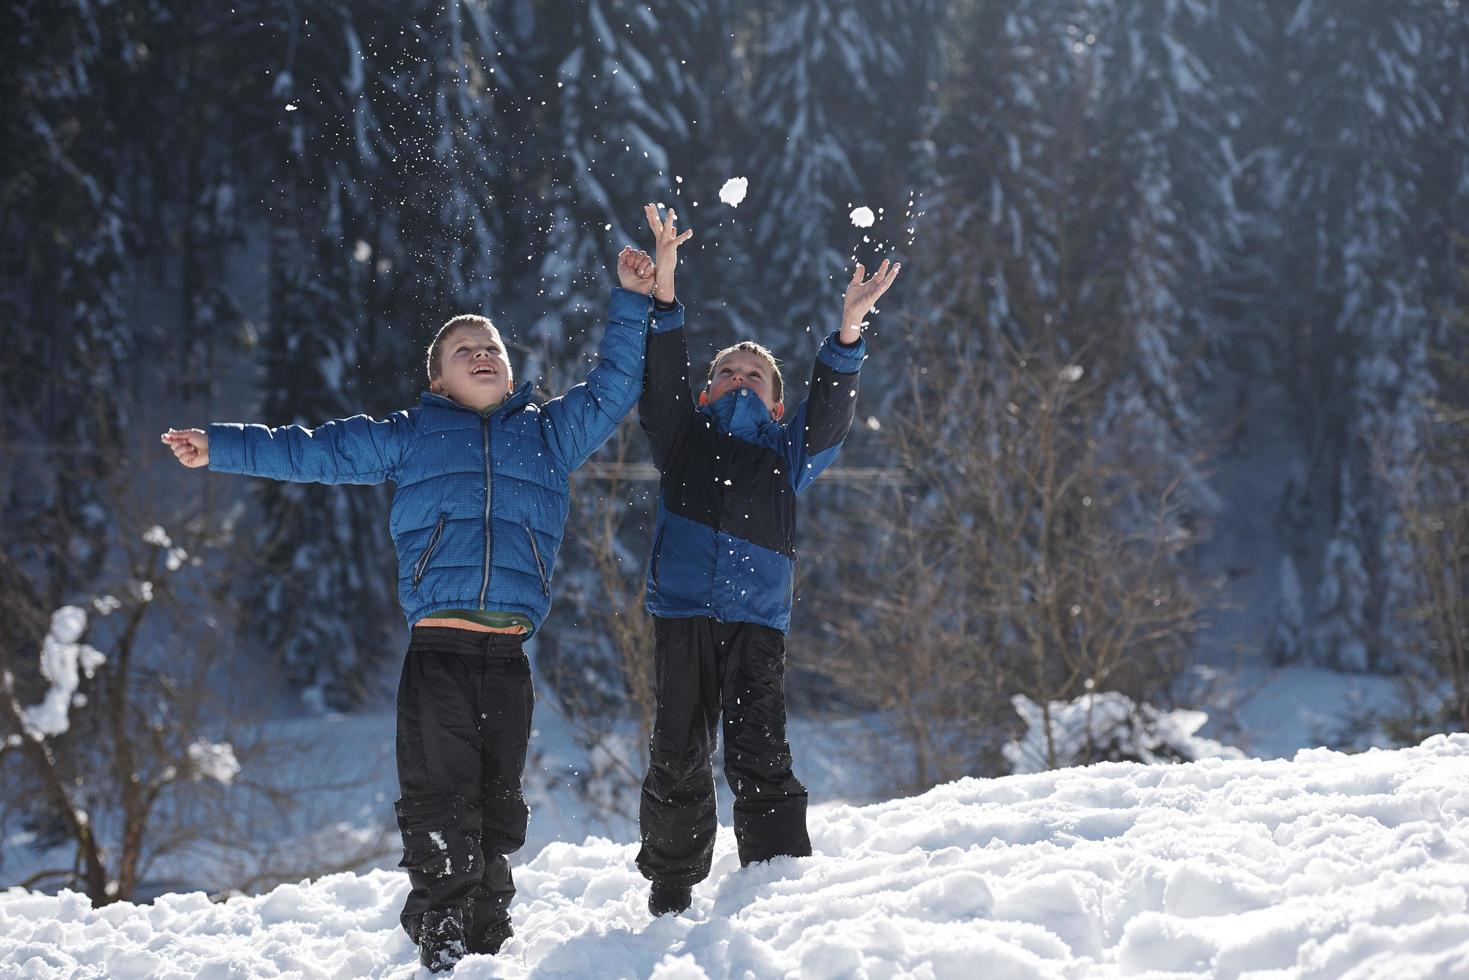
{"x":778,"y":410}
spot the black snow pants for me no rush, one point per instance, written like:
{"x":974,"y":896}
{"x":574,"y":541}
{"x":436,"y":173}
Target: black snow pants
{"x":464,"y":716}
{"x":704,"y":668}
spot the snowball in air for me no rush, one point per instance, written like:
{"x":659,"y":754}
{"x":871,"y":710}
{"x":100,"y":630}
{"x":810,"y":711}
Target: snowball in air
{"x":863,"y":217}
{"x":733,"y":191}
{"x":213,"y":761}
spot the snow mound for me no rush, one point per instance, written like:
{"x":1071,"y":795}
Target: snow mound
{"x":1327,"y":865}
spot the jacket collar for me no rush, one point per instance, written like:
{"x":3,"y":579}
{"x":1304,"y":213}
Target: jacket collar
{"x":516,"y":400}
{"x":744,"y":416}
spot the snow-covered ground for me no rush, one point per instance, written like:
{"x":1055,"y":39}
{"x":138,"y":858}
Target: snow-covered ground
{"x":1327,"y":865}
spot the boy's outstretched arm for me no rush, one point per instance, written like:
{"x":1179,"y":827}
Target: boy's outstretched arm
{"x":667,"y":403}
{"x":354,"y":450}
{"x":815,"y":433}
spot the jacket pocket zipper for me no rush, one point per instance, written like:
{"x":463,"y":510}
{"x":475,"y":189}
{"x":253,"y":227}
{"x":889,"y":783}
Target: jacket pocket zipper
{"x":540,"y":565}
{"x":657,"y":553}
{"x":421,"y":566}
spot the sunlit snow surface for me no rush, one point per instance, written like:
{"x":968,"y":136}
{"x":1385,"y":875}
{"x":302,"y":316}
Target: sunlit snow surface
{"x":1325,"y":866}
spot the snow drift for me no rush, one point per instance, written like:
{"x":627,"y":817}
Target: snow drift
{"x":1327,"y":865}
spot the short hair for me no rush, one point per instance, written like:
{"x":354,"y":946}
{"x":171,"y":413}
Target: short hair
{"x":777,"y":389}
{"x":435,"y":348}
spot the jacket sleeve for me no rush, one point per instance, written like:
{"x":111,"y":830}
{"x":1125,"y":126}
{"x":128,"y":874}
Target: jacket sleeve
{"x":814,"y":435}
{"x":581,"y":420}
{"x":354,"y":450}
{"x":667,"y":404}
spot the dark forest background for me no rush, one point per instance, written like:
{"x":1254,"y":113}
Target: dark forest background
{"x":1174,"y":374}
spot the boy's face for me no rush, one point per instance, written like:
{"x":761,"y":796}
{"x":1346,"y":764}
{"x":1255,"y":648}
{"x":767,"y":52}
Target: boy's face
{"x":745,"y":369}
{"x":473,"y":368}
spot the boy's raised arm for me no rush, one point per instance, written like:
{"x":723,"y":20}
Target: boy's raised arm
{"x":353,"y":450}
{"x":587,"y":415}
{"x":667,"y":403}
{"x":815,"y":433}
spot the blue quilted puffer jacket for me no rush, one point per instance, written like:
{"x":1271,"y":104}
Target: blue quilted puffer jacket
{"x":481,"y":498}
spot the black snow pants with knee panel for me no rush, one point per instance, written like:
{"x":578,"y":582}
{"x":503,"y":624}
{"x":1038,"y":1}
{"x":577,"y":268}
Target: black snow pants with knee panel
{"x":464,"y":717}
{"x":704,"y":669}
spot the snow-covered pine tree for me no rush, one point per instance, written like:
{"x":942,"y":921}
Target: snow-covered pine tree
{"x":188,"y":113}
{"x":1044,"y":423}
{"x":1344,"y":104}
{"x":1161,"y":112}
{"x":605,"y":160}
{"x":64,"y":329}
{"x":702,"y":87}
{"x":836,"y":106}
{"x":1441,"y":203}
{"x":1434,"y":677}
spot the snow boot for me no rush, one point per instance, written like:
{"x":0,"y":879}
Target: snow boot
{"x":488,"y":939}
{"x":666,"y":899}
{"x":441,"y":939}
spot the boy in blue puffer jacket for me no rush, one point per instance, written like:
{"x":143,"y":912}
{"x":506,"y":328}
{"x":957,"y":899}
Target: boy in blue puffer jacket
{"x":477,"y":519}
{"x":720,"y":581}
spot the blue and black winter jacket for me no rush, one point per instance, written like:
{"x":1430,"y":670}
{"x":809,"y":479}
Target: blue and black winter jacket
{"x":481,"y":498}
{"x":724,"y":541}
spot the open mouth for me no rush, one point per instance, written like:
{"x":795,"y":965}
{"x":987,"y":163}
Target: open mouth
{"x":482,"y":369}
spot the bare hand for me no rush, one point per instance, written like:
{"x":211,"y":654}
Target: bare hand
{"x":635,"y":270}
{"x":862,"y":296}
{"x":666,"y":241}
{"x":190,"y":446}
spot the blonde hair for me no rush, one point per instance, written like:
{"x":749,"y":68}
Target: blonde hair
{"x":435,"y":348}
{"x":777,"y":387}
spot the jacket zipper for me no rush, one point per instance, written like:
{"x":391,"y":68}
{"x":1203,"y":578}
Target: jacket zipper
{"x":421,"y":565}
{"x":485,"y":438}
{"x":540,"y":565}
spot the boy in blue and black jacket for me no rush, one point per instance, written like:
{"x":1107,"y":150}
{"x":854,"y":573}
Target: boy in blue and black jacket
{"x":720,"y":579}
{"x":477,"y":519}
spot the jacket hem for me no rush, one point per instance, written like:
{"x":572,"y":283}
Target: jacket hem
{"x":781,"y":625}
